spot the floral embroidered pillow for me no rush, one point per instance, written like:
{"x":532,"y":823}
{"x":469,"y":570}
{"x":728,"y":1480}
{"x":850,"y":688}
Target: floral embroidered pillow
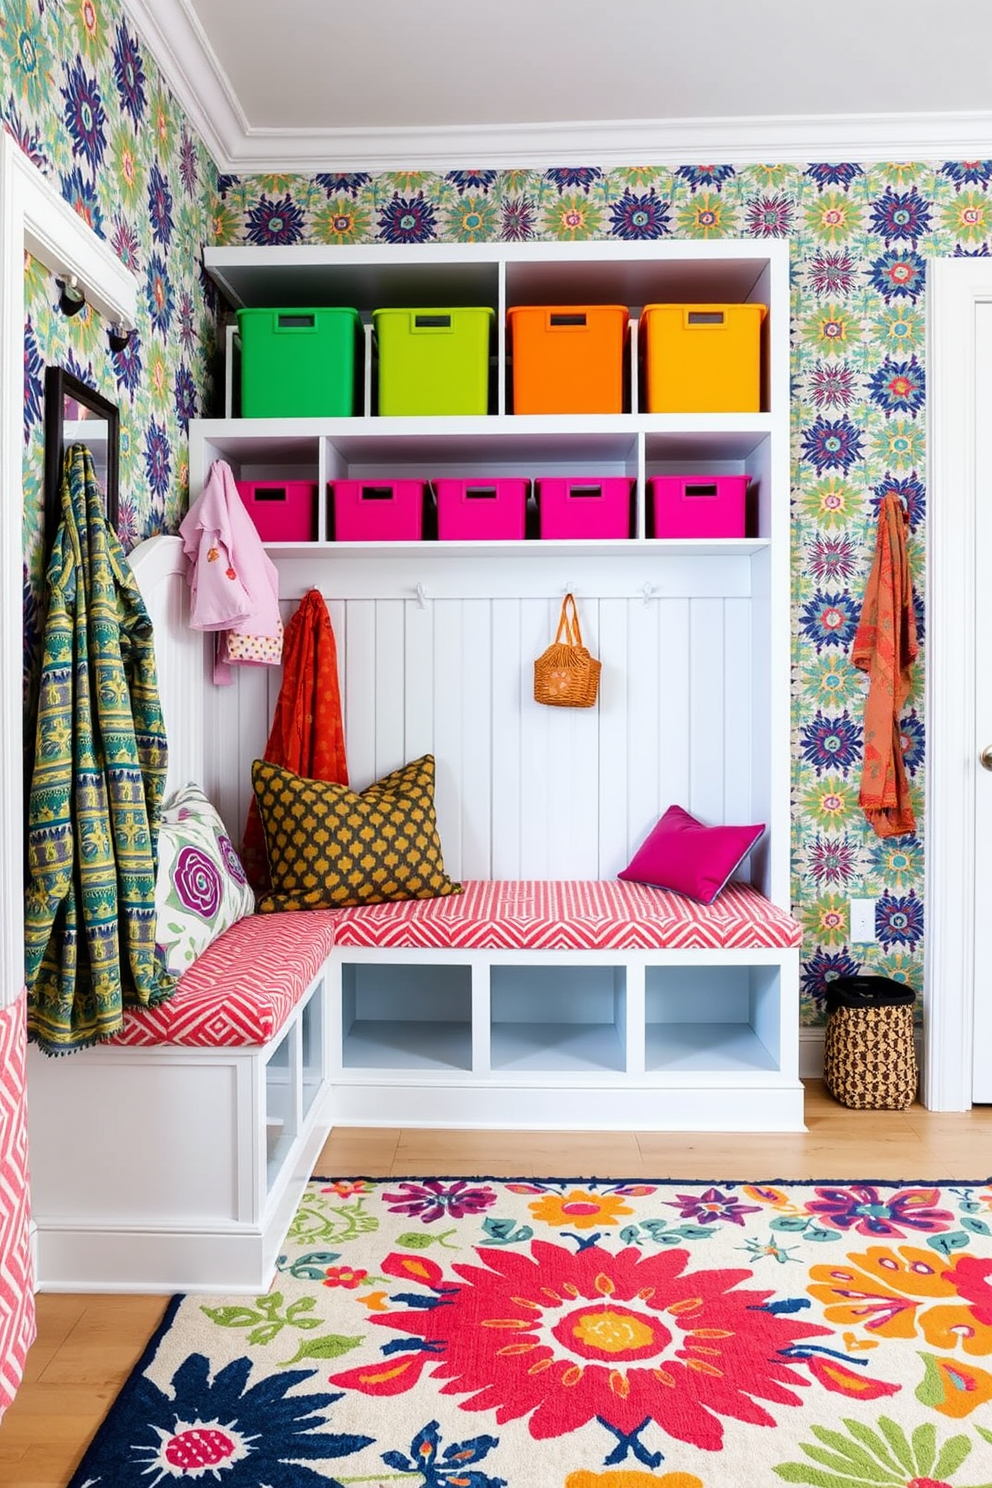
{"x":201,"y":887}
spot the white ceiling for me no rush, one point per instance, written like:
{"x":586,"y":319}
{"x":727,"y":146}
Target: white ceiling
{"x":481,"y":82}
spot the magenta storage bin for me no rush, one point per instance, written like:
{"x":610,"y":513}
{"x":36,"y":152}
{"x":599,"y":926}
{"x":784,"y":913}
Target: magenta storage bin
{"x":377,"y":511}
{"x":697,"y":505}
{"x":481,"y":510}
{"x":283,"y":511}
{"x":585,"y":507}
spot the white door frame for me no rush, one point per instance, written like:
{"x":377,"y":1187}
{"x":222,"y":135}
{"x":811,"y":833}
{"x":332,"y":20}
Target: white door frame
{"x":956,"y":287}
{"x":33,"y":218}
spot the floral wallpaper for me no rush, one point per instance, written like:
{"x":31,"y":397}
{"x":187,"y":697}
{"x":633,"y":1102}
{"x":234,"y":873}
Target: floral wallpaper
{"x":83,"y":97}
{"x":86,"y":103}
{"x":860,"y":238}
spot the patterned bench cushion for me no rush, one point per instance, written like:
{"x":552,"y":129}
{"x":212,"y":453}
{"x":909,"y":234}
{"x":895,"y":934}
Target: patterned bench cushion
{"x":246,"y":984}
{"x":598,"y":915}
{"x":243,"y":987}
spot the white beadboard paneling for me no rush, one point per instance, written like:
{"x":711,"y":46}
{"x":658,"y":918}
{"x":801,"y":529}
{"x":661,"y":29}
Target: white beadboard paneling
{"x":511,"y":681}
{"x":646,"y":714}
{"x":388,"y":684}
{"x":475,"y":777}
{"x":738,"y":685}
{"x":612,"y":778}
{"x":537,"y":621}
{"x":707,"y":717}
{"x":449,"y":731}
{"x":674,"y":690}
{"x":418,"y":682}
{"x":524,"y":790}
{"x":359,"y":700}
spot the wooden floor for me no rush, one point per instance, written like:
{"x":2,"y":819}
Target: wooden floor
{"x":87,"y":1345}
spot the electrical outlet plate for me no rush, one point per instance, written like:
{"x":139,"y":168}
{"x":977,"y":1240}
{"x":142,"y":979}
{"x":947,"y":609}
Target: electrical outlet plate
{"x":863,"y":921}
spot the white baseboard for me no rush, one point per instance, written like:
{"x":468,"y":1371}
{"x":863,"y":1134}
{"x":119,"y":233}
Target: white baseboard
{"x":811,"y":1053}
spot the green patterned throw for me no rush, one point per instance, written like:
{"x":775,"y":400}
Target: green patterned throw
{"x":96,"y":789}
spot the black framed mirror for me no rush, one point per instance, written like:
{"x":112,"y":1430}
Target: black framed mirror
{"x":77,"y":414}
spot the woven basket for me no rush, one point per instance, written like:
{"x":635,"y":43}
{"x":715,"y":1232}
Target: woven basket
{"x":869,"y":1052}
{"x":565,"y":675}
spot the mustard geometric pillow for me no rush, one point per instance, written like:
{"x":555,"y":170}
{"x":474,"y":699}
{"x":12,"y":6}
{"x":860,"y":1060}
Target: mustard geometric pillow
{"x":330,"y":846}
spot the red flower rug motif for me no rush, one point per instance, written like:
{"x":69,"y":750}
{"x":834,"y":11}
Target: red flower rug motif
{"x":583,"y":1333}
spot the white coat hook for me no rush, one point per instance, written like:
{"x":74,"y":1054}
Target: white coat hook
{"x":421,"y":594}
{"x":648,"y":593}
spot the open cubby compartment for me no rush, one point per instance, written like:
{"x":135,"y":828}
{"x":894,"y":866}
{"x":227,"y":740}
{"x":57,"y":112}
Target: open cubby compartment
{"x":406,"y":1015}
{"x":562,"y":1017}
{"x":740,"y":450}
{"x":294,"y":1076}
{"x":313,"y":1061}
{"x":282,"y":1091}
{"x":643,"y":274}
{"x":717,"y":1017}
{"x":432,"y":276}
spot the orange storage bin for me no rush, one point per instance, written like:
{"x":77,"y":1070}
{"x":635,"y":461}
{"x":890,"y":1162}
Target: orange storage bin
{"x":568,"y":358}
{"x":702,"y":358}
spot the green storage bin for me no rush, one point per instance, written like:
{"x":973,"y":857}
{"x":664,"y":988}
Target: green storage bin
{"x":433,"y":361}
{"x":299,"y":363}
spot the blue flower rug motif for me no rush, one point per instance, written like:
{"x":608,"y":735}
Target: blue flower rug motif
{"x":583,"y":1333}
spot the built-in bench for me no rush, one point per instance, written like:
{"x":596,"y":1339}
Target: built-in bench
{"x":567,"y":1005}
{"x":171,"y":1158}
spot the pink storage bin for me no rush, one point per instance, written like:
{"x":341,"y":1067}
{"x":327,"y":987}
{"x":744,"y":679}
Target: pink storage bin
{"x":585,"y":507}
{"x":481,"y":510}
{"x":377,"y":511}
{"x":283,"y":511}
{"x":697,"y":505}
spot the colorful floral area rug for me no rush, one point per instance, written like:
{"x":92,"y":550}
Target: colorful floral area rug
{"x":480,"y":1333}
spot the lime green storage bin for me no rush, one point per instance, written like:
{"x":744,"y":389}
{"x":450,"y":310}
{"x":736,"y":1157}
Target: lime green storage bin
{"x":433,"y":361}
{"x":299,"y":363}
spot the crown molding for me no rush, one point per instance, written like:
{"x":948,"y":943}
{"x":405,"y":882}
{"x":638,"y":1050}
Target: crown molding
{"x":179,"y":45}
{"x":189,"y":65}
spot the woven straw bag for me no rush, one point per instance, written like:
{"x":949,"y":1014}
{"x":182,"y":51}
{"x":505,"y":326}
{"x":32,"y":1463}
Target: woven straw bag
{"x":565,"y":675}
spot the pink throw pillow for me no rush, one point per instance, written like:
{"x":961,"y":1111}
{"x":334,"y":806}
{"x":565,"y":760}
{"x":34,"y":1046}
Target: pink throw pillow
{"x":681,"y":853}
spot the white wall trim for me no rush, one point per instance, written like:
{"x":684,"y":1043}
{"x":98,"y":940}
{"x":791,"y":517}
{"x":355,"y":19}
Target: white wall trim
{"x":811,"y":1053}
{"x":32,"y":217}
{"x":177,"y":41}
{"x":14,"y":212}
{"x":955,"y":287}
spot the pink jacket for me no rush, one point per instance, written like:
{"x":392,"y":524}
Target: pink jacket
{"x":234,"y":585}
{"x":233,"y":582}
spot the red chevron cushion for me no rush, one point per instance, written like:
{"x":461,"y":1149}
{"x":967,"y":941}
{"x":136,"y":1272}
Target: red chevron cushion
{"x":540,"y":915}
{"x":242,"y":988}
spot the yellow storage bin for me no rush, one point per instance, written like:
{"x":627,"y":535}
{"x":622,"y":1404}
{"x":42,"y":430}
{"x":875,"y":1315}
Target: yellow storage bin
{"x":702,"y":358}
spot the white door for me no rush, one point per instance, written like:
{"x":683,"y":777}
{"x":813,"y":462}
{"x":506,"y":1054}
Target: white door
{"x":958,"y":989}
{"x":982,"y":1050}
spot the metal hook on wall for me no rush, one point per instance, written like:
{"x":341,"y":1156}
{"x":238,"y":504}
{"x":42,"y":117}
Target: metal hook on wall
{"x":648,"y":593}
{"x":422,"y":596}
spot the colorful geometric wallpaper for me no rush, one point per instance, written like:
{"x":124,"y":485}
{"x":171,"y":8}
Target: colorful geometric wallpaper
{"x":83,"y":97}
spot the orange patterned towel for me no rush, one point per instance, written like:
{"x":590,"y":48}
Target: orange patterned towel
{"x":307,"y":733}
{"x":885,"y":647}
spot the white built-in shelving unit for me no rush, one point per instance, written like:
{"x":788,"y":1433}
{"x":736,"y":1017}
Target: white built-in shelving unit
{"x":436,"y":644}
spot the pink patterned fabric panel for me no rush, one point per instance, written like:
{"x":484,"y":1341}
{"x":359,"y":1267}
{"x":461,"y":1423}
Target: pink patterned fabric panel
{"x":16,"y":1280}
{"x":537,"y":915}
{"x":244,"y":986}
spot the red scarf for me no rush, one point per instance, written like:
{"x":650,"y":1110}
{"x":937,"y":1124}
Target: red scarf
{"x":307,"y":733}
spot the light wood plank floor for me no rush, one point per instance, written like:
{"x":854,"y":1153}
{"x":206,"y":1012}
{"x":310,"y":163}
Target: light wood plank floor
{"x":87,"y":1345}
